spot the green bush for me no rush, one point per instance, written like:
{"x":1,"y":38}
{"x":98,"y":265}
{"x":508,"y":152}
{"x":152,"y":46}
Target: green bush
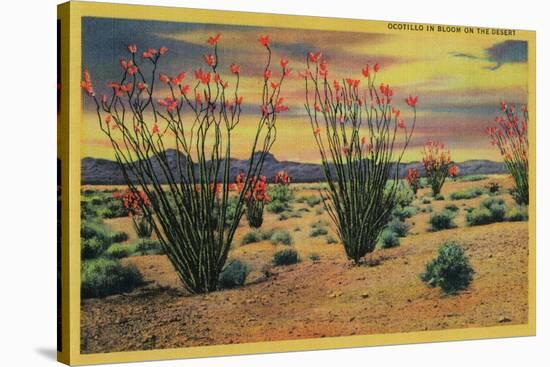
{"x":313,"y":200}
{"x":465,"y":194}
{"x":442,"y":220}
{"x":233,"y":275}
{"x":281,"y":236}
{"x":119,"y":237}
{"x":318,"y":231}
{"x":404,"y":212}
{"x":92,"y":248}
{"x":276,"y":206}
{"x":451,"y":207}
{"x":388,"y":239}
{"x":314,"y":257}
{"x":479,"y":216}
{"x":492,"y":201}
{"x":115,"y":209}
{"x":330,"y":239}
{"x":283,"y":216}
{"x":251,"y":237}
{"x":517,"y":214}
{"x":450,"y":270}
{"x":401,"y":229}
{"x":90,"y":230}
{"x":426,"y":200}
{"x":439,"y":197}
{"x":102,"y":277}
{"x":471,"y":178}
{"x":281,"y":193}
{"x":404,"y":195}
{"x":148,"y":247}
{"x":493,"y":187}
{"x":285,"y":257}
{"x":491,"y":210}
{"x":119,"y":251}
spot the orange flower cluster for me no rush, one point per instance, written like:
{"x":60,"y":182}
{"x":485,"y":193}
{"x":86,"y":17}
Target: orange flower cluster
{"x":257,"y":190}
{"x":86,"y":83}
{"x":453,"y":171}
{"x":282,"y":178}
{"x":133,"y":200}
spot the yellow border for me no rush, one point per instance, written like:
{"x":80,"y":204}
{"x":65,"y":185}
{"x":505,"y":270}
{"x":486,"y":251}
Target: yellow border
{"x":71,"y":13}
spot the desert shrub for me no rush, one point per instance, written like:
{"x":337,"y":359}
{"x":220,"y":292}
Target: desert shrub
{"x":516,"y":214}
{"x":450,"y":270}
{"x":296,"y":215}
{"x":426,"y":200}
{"x":404,"y":212}
{"x":119,"y":237}
{"x":96,"y":201}
{"x":489,"y":202}
{"x":469,"y":193}
{"x":266,"y":235}
{"x":277,"y":206}
{"x":233,"y":275}
{"x":281,"y":193}
{"x":442,"y":220}
{"x":491,"y":210}
{"x":313,"y":200}
{"x":401,"y":229}
{"x":404,"y":195}
{"x":89,"y":230}
{"x":281,"y":236}
{"x":102,"y":277}
{"x":119,"y":251}
{"x":92,"y":248}
{"x":498,"y":212}
{"x":451,"y":207}
{"x":439,"y":197}
{"x":285,"y":257}
{"x":251,"y":237}
{"x":318,"y":231}
{"x":283,"y":216}
{"x":479,"y":216}
{"x":493,"y":187}
{"x":319,"y":211}
{"x":306,"y":210}
{"x":330,"y":239}
{"x":388,"y":239}
{"x":115,"y":209}
{"x":471,"y":178}
{"x":148,"y":247}
{"x":314,"y":257}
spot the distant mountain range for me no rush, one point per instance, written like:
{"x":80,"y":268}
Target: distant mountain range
{"x":97,"y":171}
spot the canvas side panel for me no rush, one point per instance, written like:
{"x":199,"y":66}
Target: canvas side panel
{"x":63,"y":276}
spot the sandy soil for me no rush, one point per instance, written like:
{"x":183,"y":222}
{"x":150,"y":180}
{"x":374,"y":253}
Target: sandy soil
{"x":324,"y":298}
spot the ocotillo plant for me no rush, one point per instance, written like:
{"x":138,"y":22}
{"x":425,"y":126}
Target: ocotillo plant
{"x":256,"y":198}
{"x":510,"y":137}
{"x":189,"y":192}
{"x":133,"y":201}
{"x":413,"y":178}
{"x":282,"y":178}
{"x":361,"y":138}
{"x":437,"y":163}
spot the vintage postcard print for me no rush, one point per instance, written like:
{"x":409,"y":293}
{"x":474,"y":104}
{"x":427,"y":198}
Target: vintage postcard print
{"x":238,"y":183}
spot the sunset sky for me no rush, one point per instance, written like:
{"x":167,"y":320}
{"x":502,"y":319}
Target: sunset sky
{"x":459,"y":80}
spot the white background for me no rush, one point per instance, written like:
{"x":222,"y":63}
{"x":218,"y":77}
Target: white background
{"x":28,"y":171}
